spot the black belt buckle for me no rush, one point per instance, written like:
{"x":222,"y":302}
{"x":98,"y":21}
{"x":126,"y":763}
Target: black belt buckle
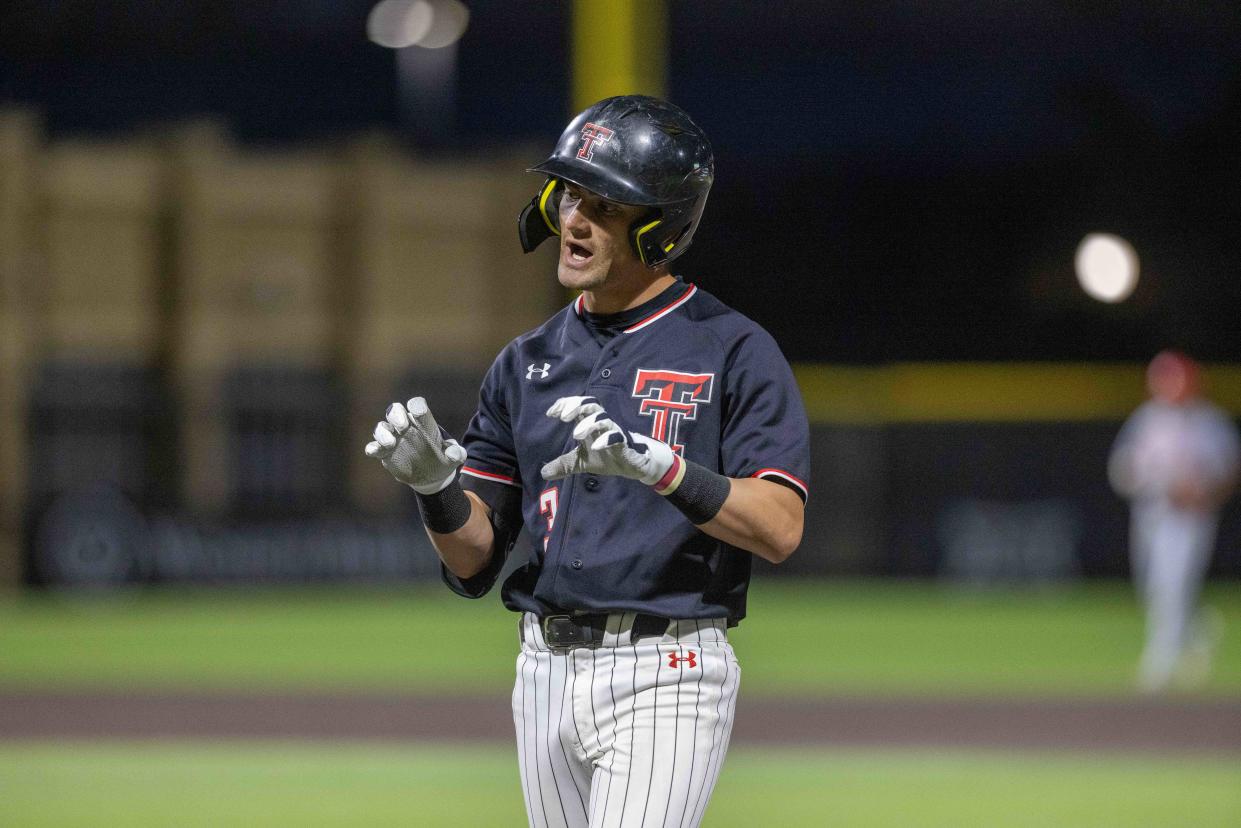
{"x":561,"y":632}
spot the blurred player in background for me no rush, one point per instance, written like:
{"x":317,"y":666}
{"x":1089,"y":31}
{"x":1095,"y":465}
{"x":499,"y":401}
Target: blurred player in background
{"x":1176,"y":460}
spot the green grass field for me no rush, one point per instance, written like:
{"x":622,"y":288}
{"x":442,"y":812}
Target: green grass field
{"x":314,"y":785}
{"x":801,"y":638}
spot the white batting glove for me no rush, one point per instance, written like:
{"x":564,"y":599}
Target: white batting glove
{"x":408,"y":444}
{"x":604,"y":447}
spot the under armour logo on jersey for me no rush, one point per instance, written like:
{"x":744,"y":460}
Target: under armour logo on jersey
{"x":533,"y":369}
{"x":592,"y":134}
{"x":669,"y":398}
{"x":688,"y":658}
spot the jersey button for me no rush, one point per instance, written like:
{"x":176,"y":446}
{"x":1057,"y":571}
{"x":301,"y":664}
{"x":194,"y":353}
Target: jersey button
{"x":577,"y":563}
{"x":592,"y":483}
{"x":605,"y":373}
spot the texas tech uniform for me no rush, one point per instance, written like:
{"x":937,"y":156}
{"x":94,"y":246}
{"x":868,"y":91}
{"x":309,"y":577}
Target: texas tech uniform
{"x":638,"y":722}
{"x":610,"y":440}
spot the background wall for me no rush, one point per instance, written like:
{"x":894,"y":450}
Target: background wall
{"x":199,"y":336}
{"x":196,"y":333}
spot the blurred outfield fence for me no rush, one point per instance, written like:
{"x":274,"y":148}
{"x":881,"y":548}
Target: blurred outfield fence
{"x":197,"y":339}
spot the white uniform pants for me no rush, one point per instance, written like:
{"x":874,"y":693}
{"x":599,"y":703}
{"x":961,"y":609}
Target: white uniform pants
{"x":624,"y":735}
{"x":1171,"y":549}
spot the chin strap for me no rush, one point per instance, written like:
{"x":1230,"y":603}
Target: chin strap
{"x":540,"y":220}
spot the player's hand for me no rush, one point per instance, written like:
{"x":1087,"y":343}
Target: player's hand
{"x":604,"y":447}
{"x":409,"y":445}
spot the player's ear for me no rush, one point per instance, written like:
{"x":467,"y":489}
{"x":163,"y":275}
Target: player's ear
{"x":540,"y":220}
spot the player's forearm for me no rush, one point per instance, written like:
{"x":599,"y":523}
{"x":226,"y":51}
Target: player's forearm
{"x":761,"y":517}
{"x":467,"y":550}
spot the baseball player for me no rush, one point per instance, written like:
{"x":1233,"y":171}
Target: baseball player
{"x":1176,"y":460}
{"x":649,"y":440}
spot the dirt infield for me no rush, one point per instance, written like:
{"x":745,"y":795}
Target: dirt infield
{"x":1111,"y":725}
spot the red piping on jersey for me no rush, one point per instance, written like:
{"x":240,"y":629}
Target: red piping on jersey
{"x":801,"y":484}
{"x":579,"y":306}
{"x":499,"y":478}
{"x":685,"y":297}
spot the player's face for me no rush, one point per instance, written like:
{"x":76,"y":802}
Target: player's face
{"x":594,"y":239}
{"x":1172,"y":379}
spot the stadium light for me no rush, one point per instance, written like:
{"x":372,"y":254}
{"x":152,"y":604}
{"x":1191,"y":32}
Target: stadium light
{"x":431,"y":24}
{"x":399,"y":23}
{"x":448,"y":23}
{"x":1107,"y":267}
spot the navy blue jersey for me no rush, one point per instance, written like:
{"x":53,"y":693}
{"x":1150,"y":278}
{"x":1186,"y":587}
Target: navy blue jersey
{"x":690,"y":372}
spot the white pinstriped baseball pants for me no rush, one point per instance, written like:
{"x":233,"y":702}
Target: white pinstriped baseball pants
{"x":624,"y":735}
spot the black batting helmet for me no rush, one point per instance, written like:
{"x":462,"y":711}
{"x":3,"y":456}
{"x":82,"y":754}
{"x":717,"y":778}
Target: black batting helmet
{"x":631,"y":149}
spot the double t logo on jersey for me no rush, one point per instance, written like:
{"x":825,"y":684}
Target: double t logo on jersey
{"x":670,"y":398}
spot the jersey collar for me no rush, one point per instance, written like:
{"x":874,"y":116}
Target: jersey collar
{"x":647,"y":313}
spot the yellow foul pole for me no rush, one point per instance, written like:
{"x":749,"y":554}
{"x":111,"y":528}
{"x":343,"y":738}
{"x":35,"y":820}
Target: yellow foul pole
{"x":619,"y":48}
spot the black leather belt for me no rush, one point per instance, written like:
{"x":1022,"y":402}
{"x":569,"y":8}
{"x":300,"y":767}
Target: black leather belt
{"x":586,"y":629}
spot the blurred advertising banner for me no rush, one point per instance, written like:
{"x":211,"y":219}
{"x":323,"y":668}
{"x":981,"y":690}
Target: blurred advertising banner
{"x":98,"y":538}
{"x":977,"y":505}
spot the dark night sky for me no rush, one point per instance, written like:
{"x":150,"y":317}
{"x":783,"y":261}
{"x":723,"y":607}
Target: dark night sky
{"x":894,"y":181}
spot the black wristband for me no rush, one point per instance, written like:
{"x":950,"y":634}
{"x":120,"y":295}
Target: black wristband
{"x":447,"y":510}
{"x":701,"y":493}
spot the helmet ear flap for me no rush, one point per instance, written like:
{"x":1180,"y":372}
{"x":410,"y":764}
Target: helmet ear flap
{"x":540,"y":220}
{"x":646,"y":237}
{"x":656,"y":237}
